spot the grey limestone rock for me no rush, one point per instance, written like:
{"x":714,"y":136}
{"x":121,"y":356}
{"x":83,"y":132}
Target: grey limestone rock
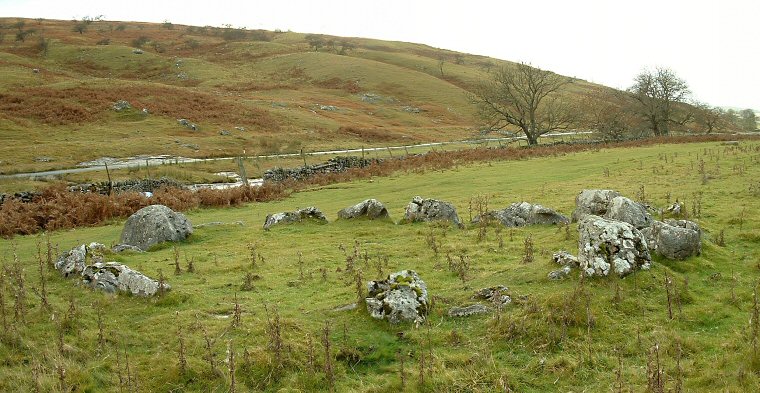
{"x":608,"y":245}
{"x":153,"y":225}
{"x":402,"y":297}
{"x":524,"y":213}
{"x":626,"y":210}
{"x":420,"y":209}
{"x":593,"y":202}
{"x":298,"y":215}
{"x":370,"y":208}
{"x":114,"y":277}
{"x":490,"y":294}
{"x":674,"y":239}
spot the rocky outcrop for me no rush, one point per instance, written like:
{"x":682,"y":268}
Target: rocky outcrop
{"x":114,"y":277}
{"x":674,"y":239}
{"x":298,"y":215}
{"x":369,"y":208}
{"x":524,"y":213}
{"x":593,"y":202}
{"x":125,"y":247}
{"x":608,"y":245}
{"x":420,"y":209}
{"x":74,"y":261}
{"x":153,"y":225}
{"x":626,"y":210}
{"x":402,"y":297}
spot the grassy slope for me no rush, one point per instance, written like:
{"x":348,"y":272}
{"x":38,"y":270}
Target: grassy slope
{"x":273,"y":89}
{"x":526,"y":350}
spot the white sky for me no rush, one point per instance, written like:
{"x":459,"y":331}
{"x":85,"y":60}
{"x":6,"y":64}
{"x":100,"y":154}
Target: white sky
{"x":714,"y":45}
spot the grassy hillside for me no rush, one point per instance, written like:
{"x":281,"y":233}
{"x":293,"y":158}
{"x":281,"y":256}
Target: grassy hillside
{"x":556,"y":336}
{"x":285,"y":95}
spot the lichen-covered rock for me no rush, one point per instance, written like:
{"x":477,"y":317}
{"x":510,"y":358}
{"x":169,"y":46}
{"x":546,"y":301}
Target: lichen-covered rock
{"x":524,"y":213}
{"x":370,"y":208}
{"x":298,"y":215}
{"x":626,"y":210}
{"x":420,"y":209}
{"x":457,"y":312}
{"x":153,"y":225}
{"x":125,"y":247}
{"x":564,"y":258}
{"x":560,"y":273}
{"x":593,"y":202}
{"x":121,"y":105}
{"x":72,"y":262}
{"x":608,"y":245}
{"x":114,"y":277}
{"x":402,"y":297}
{"x":497,"y":294}
{"x":674,"y":239}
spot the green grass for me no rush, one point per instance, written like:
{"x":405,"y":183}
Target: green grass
{"x":526,"y":351}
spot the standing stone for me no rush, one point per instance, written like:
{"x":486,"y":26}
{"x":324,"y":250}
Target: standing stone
{"x":524,"y":213}
{"x":674,"y":239}
{"x":605,"y":245}
{"x":114,"y":277}
{"x":431,"y":210}
{"x":593,"y":202}
{"x":370,"y":208}
{"x":626,"y":210}
{"x":402,"y":297}
{"x":153,"y":225}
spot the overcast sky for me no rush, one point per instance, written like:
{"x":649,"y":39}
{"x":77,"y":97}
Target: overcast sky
{"x":714,"y":45}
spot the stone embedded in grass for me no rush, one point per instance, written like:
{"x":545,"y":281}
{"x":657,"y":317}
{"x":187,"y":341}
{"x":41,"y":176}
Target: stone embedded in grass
{"x":370,"y":208}
{"x":74,"y":261}
{"x":420,"y":209}
{"x":153,"y":225}
{"x":115,"y":277}
{"x":402,"y":297}
{"x":490,"y":294}
{"x":298,"y":215}
{"x":524,"y":213}
{"x":593,"y":202}
{"x":560,"y":273}
{"x":626,"y":210}
{"x":457,"y":312}
{"x":674,"y":239}
{"x":125,"y":247}
{"x":564,"y":258}
{"x":121,"y":105}
{"x":606,"y":245}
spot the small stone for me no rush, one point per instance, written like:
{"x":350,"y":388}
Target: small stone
{"x":137,"y":51}
{"x":560,"y":273}
{"x":457,"y":312}
{"x":121,"y":105}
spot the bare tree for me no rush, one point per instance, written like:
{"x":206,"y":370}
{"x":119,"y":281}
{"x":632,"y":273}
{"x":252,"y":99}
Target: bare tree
{"x":710,"y":118}
{"x":658,"y":94}
{"x":526,"y":97}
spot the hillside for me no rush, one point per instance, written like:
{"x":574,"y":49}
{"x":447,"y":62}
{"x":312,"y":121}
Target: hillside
{"x":253,"y":91}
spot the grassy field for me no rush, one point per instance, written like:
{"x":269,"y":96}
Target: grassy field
{"x":556,"y":336}
{"x":272,"y":84}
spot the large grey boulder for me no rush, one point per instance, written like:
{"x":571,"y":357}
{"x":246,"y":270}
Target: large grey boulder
{"x":420,"y":209}
{"x":524,"y":213}
{"x":402,"y":297}
{"x":608,"y":245}
{"x":74,"y":261}
{"x":370,"y":208}
{"x":298,"y":215}
{"x":674,"y":239}
{"x":593,"y":202}
{"x":626,"y":210}
{"x":153,"y":225}
{"x":114,"y":277}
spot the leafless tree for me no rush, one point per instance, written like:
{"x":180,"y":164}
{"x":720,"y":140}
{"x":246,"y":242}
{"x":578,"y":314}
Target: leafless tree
{"x":526,"y":97}
{"x":710,"y":118}
{"x":658,"y":94}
